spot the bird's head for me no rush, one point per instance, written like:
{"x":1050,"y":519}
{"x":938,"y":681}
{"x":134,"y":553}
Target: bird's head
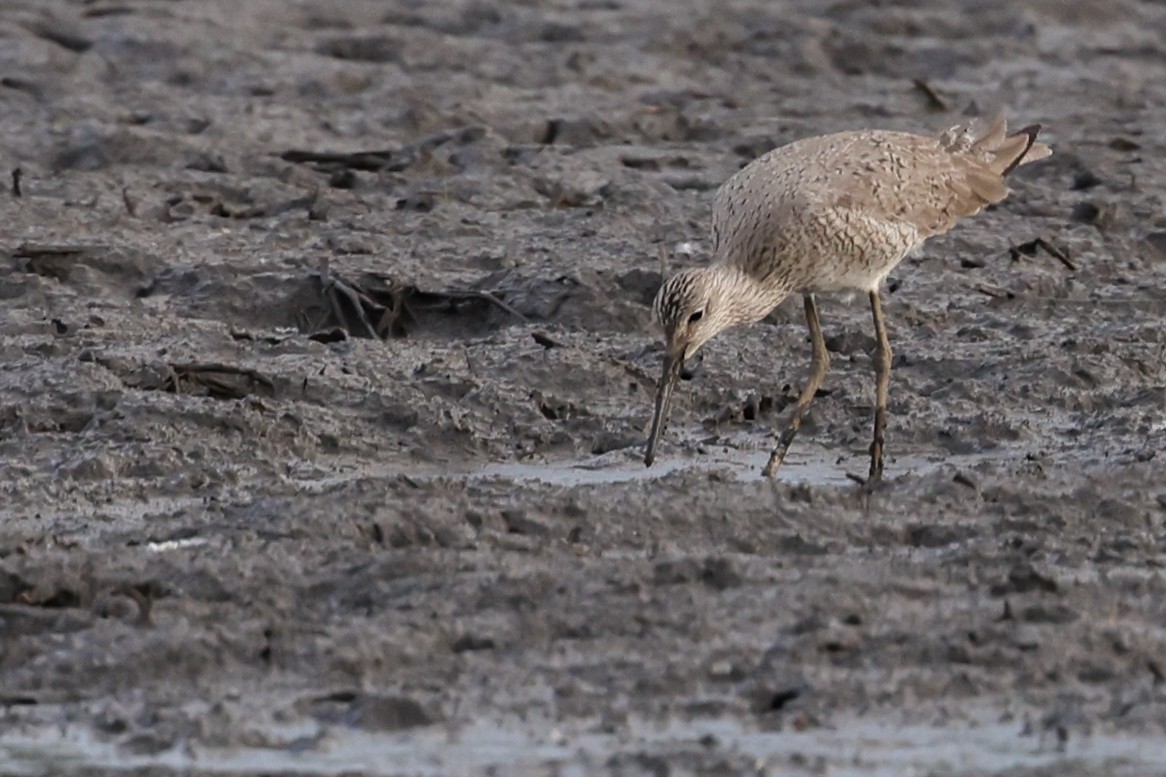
{"x":692,"y":306}
{"x":691,"y":309}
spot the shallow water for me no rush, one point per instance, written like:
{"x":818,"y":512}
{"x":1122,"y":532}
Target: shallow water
{"x":858,"y":747}
{"x":575,"y":473}
{"x":810,"y":464}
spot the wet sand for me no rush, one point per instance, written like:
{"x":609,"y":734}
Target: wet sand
{"x":236,"y":539}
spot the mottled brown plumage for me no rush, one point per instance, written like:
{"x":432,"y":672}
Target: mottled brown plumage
{"x":829,"y":213}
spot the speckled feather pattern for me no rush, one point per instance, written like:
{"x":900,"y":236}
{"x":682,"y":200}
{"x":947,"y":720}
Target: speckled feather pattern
{"x":835,"y":212}
{"x":840,"y":211}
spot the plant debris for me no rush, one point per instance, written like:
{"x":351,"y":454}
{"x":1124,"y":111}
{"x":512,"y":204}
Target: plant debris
{"x":380,"y":307}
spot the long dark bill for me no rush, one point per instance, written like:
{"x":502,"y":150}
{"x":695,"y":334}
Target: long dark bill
{"x":672,"y":367}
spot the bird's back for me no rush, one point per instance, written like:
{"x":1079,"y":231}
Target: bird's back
{"x":841,"y":210}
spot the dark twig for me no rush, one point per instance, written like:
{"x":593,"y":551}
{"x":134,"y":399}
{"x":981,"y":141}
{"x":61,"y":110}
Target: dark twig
{"x":173,"y":382}
{"x":1022,"y":249}
{"x":935,"y":101}
{"x":485,"y":296}
{"x":37,"y":250}
{"x":360,"y":160}
{"x":1030,"y":249}
{"x":1057,"y":253}
{"x":197,"y":367}
{"x":131,"y":206}
{"x":16,"y":174}
{"x":992,"y":290}
{"x":545,"y":340}
{"x":205,"y":375}
{"x":379,"y":307}
{"x":964,"y":480}
{"x":338,"y":291}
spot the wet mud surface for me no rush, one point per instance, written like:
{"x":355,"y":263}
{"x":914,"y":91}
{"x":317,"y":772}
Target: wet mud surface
{"x":241,"y":532}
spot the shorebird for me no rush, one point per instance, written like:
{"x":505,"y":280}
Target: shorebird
{"x":829,"y":213}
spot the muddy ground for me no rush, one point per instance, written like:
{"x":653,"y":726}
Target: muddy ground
{"x":236,"y":539}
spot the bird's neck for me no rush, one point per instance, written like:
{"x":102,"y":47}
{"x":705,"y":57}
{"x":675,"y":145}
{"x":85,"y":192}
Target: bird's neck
{"x":748,"y":300}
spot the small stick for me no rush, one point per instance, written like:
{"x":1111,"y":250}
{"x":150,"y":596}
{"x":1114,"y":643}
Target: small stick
{"x":934,"y":100}
{"x":34,"y":250}
{"x":172,"y":376}
{"x":499,"y":303}
{"x":196,"y":367}
{"x":1030,"y":249}
{"x":992,"y":290}
{"x":16,"y":174}
{"x":485,"y":296}
{"x":545,"y":340}
{"x":964,"y":480}
{"x":469,"y":363}
{"x":1060,"y":255}
{"x":1022,"y":249}
{"x":338,"y":288}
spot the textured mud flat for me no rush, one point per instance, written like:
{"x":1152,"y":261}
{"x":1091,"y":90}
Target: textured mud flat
{"x":236,"y":539}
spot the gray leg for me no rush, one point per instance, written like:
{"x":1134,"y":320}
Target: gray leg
{"x":882,"y":363}
{"x":820,"y":361}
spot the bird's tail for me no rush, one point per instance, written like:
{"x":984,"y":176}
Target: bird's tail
{"x":986,"y":159}
{"x":1003,"y":153}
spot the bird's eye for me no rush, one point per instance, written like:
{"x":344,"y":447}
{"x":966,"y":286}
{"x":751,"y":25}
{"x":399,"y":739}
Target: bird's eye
{"x":697,"y":316}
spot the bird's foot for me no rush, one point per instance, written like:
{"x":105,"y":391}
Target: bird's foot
{"x":783,"y":444}
{"x":876,"y":462}
{"x":775,"y":460}
{"x":870,"y":483}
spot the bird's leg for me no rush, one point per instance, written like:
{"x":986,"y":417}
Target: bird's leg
{"x":819,"y":362}
{"x":882,"y":363}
